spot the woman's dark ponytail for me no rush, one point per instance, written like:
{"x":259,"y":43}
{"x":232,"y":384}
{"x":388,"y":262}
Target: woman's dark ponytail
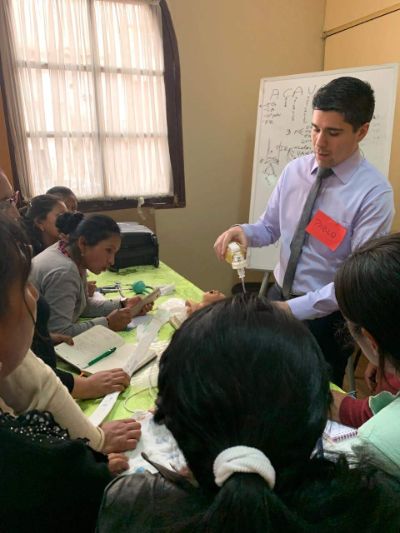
{"x":245,"y":502}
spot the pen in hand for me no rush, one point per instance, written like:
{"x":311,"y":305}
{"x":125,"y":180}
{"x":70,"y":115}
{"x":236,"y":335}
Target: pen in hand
{"x":101,"y":356}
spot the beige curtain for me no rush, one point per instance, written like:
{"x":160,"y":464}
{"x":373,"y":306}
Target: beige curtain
{"x":14,"y":103}
{"x":89,"y":76}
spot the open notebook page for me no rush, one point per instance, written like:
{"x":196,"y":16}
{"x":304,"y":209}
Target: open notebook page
{"x":95,"y":341}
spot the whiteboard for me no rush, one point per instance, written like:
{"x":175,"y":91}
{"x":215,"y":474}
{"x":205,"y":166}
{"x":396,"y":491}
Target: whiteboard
{"x":284,"y":133}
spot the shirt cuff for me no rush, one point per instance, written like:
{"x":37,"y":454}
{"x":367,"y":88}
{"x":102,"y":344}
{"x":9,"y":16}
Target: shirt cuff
{"x":312,"y":305}
{"x":301,"y":308}
{"x":248,"y":231}
{"x":100,"y":321}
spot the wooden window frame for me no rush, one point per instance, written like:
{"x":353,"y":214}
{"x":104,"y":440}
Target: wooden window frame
{"x":172,"y":81}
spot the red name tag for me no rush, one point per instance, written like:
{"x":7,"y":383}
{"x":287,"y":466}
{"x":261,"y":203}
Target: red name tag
{"x":326,"y":230}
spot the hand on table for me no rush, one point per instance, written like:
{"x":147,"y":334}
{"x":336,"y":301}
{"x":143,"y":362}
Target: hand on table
{"x":131,"y":302}
{"x":145,"y":309}
{"x":117,"y":463}
{"x":100,"y":384}
{"x":120,"y":435}
{"x":119,"y":319}
{"x":371,"y":377}
{"x":235,"y":233}
{"x":58,"y":338}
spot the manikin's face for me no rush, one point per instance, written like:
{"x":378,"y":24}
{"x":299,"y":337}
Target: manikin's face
{"x":333,"y":139}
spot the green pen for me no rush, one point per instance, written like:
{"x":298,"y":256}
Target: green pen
{"x":101,"y":356}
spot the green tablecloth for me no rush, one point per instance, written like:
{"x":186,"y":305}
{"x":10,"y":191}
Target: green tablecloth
{"x":153,"y":277}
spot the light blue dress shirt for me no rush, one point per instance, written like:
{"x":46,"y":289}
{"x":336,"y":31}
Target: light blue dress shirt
{"x":356,"y":196}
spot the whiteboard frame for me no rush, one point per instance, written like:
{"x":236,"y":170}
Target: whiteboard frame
{"x":274,"y":248}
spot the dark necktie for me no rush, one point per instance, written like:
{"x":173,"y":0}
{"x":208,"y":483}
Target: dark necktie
{"x":298,"y":238}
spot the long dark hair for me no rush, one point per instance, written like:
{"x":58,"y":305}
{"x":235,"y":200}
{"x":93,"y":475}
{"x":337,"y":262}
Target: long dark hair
{"x":15,"y":259}
{"x":243,"y":373}
{"x":367,"y":287}
{"x":66,"y":195}
{"x":37,"y":210}
{"x":60,"y":191}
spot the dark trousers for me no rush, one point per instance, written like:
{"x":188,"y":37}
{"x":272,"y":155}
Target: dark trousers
{"x":329,"y":333}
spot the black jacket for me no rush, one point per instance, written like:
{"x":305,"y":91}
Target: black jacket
{"x":145,"y":502}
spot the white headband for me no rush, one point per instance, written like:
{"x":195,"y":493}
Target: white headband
{"x":243,"y":459}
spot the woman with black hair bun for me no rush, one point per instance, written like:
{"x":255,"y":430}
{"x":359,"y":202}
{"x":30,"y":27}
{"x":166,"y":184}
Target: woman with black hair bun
{"x":39,"y":220}
{"x":244,"y":389}
{"x":59,"y":273}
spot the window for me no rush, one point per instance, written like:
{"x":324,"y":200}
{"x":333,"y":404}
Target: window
{"x":93,"y":94}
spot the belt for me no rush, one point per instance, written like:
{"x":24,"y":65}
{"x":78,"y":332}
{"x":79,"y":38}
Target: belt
{"x":292,"y":294}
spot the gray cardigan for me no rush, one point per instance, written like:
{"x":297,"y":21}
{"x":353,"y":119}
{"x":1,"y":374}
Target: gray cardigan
{"x":58,"y":279}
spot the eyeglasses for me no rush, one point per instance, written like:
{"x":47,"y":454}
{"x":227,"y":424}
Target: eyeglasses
{"x":5,"y":203}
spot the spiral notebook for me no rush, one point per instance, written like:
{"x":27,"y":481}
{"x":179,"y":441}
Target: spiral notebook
{"x":336,"y":432}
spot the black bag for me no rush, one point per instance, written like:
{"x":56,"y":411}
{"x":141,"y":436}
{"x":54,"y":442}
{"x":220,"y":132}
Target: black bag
{"x":139,"y":246}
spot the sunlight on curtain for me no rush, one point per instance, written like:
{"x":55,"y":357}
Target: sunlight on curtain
{"x":91,"y":80}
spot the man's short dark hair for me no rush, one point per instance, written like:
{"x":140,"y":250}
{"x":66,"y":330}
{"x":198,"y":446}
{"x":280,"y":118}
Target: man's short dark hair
{"x":351,"y":97}
{"x":60,"y":190}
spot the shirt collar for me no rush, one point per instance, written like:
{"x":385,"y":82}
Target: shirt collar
{"x":345,"y":170}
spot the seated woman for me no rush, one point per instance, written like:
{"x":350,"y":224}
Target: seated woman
{"x":368,"y":293}
{"x":71,"y":201}
{"x":48,"y":481}
{"x":81,"y":387}
{"x":59,"y":273}
{"x":39,"y":220}
{"x":243,"y":387}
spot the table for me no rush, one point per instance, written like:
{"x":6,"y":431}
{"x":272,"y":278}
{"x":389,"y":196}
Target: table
{"x":134,"y":399}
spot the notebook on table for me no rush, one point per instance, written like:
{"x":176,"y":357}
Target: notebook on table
{"x":337,"y":432}
{"x":98,"y":349}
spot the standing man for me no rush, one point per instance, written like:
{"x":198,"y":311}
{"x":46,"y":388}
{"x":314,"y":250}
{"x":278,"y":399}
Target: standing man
{"x":324,"y":206}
